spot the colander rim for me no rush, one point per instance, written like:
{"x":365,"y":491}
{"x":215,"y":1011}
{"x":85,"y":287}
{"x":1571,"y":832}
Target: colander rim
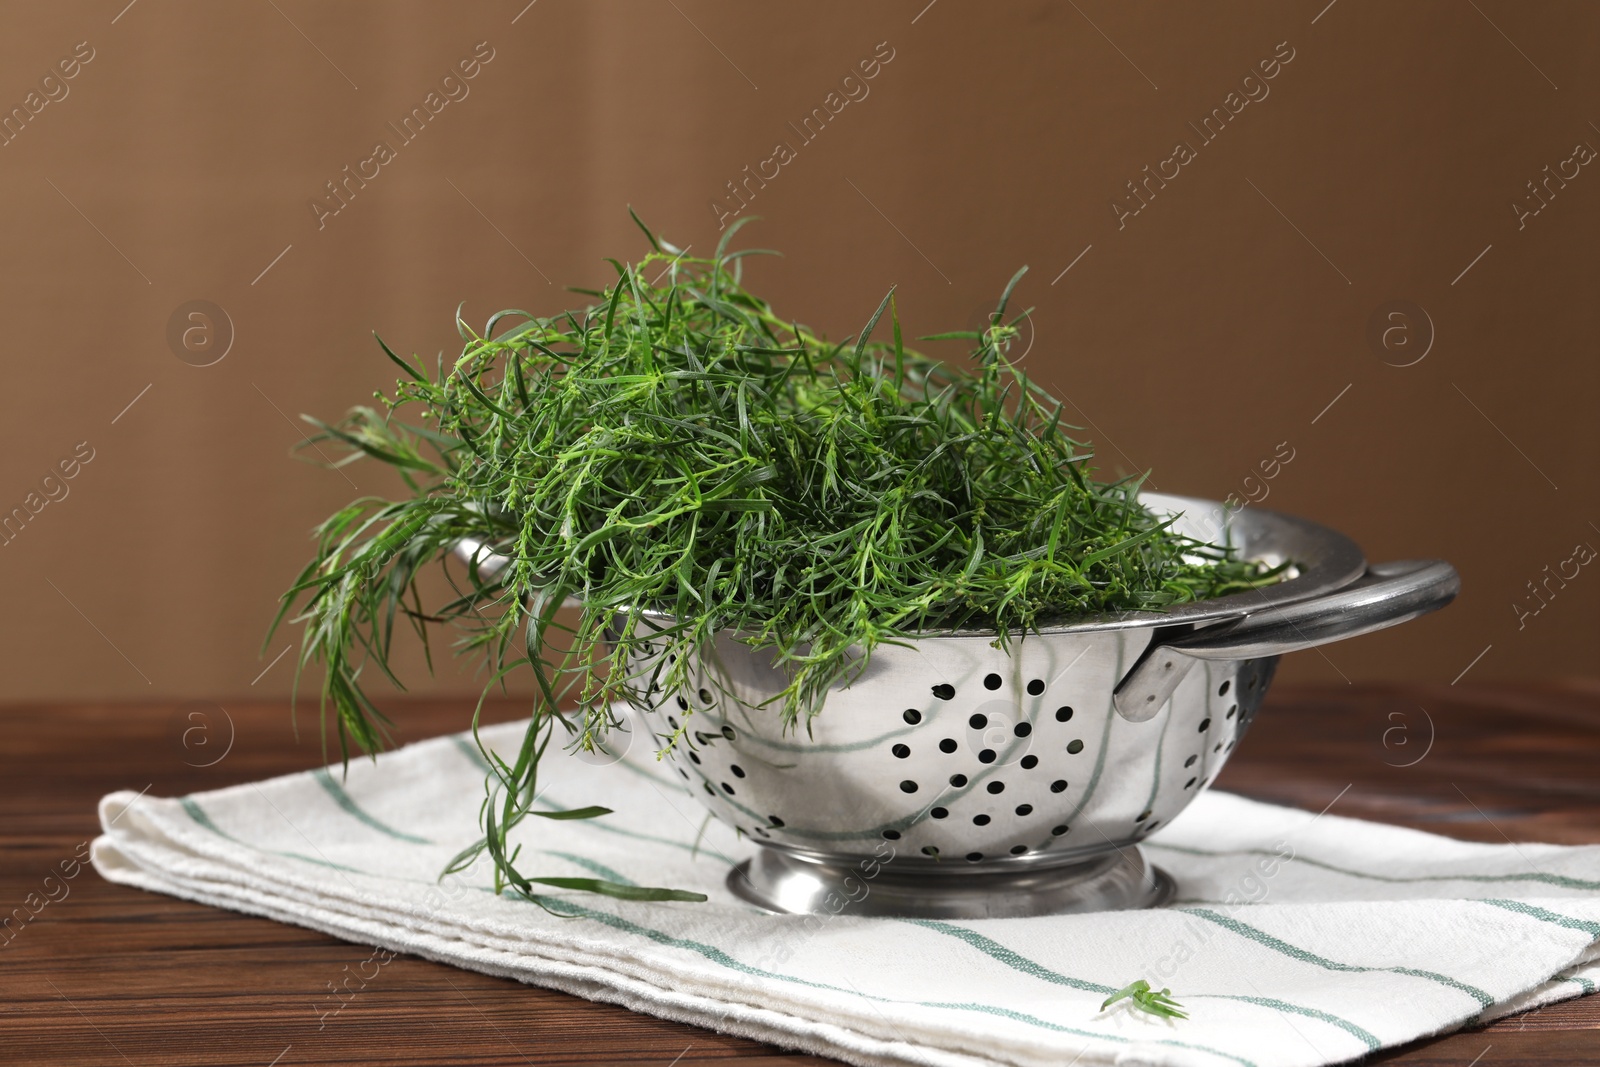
{"x":1324,"y":559}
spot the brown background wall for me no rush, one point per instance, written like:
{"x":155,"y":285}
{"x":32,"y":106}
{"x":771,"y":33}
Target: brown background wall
{"x":1219,"y":322}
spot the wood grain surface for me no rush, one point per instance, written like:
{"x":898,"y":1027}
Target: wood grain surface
{"x":109,"y":975}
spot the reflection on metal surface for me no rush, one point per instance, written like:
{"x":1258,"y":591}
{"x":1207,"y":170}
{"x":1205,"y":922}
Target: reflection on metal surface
{"x":787,"y":882}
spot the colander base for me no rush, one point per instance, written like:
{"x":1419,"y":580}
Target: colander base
{"x":789,"y":883}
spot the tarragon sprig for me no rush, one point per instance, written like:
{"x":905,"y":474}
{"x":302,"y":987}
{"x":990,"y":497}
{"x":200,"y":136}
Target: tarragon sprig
{"x":1156,"y":1002}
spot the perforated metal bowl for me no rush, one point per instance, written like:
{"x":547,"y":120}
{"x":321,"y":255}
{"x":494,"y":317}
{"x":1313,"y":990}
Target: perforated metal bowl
{"x":953,"y":779}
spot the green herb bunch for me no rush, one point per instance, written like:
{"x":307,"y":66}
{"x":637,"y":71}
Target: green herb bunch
{"x":680,"y":460}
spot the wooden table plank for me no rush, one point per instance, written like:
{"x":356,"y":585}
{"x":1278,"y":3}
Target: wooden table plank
{"x":109,"y":975}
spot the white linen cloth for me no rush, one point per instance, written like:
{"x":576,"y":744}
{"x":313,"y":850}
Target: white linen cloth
{"x":1296,"y":939}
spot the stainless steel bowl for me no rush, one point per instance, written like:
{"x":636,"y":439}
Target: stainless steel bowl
{"x":953,"y":779}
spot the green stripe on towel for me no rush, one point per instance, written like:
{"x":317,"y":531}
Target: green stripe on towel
{"x":998,"y":952}
{"x":1545,"y":877}
{"x":1554,"y":918}
{"x":1311,"y":1013}
{"x":199,"y":815}
{"x":347,"y":802}
{"x":1262,"y":938}
{"x":718,"y":956}
{"x":470,"y":750}
{"x":592,"y":867}
{"x":192,"y":807}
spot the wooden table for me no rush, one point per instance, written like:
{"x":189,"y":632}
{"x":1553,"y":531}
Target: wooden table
{"x":110,"y":975}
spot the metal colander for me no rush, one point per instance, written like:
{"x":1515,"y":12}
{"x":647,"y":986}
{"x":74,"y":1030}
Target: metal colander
{"x":951,"y":778}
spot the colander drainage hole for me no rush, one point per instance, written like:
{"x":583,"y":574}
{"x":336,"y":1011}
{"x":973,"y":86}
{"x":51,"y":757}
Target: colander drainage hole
{"x":1222,"y":690}
{"x":705,"y":696}
{"x":1022,"y":729}
{"x":738,"y":771}
{"x":930,"y":850}
{"x":986,"y":756}
{"x":1030,"y":762}
{"x":1017,"y":850}
{"x":1035,"y":687}
{"x":947,"y":745}
{"x":1190,"y":761}
{"x":1142,"y":816}
{"x":1075,"y":746}
{"x":1024,"y":809}
{"x":974,"y":857}
{"x":683,"y":705}
{"x":1205,"y":724}
{"x":997,"y":787}
{"x":1057,"y":831}
{"x":1058,"y":786}
{"x":774,"y":820}
{"x":726,"y":788}
{"x":991,"y":681}
{"x":727,"y":731}
{"x":891,"y":835}
{"x":978,"y":722}
{"x":1063,"y":714}
{"x":912,"y":716}
{"x":1231,"y":711}
{"x":944,"y":692}
{"x":980,"y":820}
{"x":1190,"y":782}
{"x":908,"y":786}
{"x":939,"y":813}
{"x":694,"y":757}
{"x":958,"y":780}
{"x":901,"y":751}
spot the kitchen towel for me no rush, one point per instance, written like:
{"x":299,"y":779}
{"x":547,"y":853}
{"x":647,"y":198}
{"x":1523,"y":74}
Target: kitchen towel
{"x":1295,"y":938}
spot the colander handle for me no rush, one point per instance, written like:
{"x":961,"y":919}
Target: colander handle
{"x":1388,"y":594}
{"x":490,"y":562}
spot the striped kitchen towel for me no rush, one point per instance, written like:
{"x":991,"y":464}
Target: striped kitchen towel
{"x":1295,"y":938}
